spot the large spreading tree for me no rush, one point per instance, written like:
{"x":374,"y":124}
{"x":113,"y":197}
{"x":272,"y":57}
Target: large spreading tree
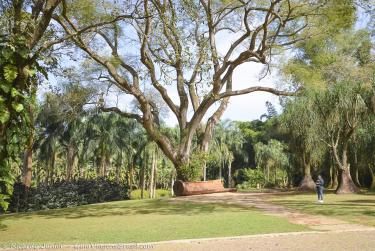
{"x":174,"y":45}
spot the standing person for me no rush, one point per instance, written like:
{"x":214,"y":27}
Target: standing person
{"x":319,"y":188}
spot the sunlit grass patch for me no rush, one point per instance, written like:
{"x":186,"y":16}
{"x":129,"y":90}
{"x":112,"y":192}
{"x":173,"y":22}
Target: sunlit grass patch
{"x":138,"y":221}
{"x":357,"y":208}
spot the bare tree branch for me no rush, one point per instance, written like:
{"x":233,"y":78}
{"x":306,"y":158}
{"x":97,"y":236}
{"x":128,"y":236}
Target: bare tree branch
{"x":254,"y":89}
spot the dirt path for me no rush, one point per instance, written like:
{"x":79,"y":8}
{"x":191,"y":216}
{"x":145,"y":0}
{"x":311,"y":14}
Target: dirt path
{"x":312,"y":241}
{"x":257,"y":200}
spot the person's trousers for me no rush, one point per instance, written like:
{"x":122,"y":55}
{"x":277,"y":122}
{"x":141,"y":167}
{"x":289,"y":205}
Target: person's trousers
{"x":319,"y":190}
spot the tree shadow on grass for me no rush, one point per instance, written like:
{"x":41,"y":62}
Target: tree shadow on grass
{"x":362,"y":201}
{"x":344,"y":208}
{"x":128,"y":208}
{"x":369,"y":213}
{"x":3,"y":227}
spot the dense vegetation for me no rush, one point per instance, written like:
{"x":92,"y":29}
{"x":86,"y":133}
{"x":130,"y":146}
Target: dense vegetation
{"x":66,"y":194}
{"x":101,"y":119}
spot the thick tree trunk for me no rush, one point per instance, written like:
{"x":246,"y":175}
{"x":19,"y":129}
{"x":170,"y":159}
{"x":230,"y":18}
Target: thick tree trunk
{"x":356,"y":177}
{"x":208,"y":133}
{"x":346,"y":184}
{"x":355,"y":170}
{"x":307,"y":183}
{"x":372,"y":186}
{"x":335,"y":175}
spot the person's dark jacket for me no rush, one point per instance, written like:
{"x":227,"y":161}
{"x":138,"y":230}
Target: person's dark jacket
{"x":319,"y":182}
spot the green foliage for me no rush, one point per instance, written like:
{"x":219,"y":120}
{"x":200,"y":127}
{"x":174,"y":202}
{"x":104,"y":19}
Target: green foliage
{"x":330,"y":59}
{"x":273,"y":160}
{"x":226,"y":141}
{"x":271,"y":154}
{"x":15,"y":96}
{"x":89,"y":12}
{"x":303,"y":140}
{"x":250,"y":178}
{"x":160,"y":193}
{"x":136,"y":194}
{"x":66,"y":194}
{"x":10,"y":73}
{"x":192,"y":171}
{"x":336,"y":74}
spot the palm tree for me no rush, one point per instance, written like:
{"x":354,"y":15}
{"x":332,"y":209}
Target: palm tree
{"x":271,"y":157}
{"x":226,"y":141}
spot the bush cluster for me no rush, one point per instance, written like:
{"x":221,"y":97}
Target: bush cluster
{"x":66,"y":194}
{"x":192,"y":171}
{"x":249,"y":178}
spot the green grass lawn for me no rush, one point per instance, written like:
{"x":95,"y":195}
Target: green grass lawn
{"x":137,"y":221}
{"x":356,"y":208}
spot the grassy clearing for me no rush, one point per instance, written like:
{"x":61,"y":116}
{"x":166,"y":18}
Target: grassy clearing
{"x":137,"y":221}
{"x":356,"y":208}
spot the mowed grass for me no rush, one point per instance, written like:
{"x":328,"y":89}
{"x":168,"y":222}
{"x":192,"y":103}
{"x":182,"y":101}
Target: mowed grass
{"x":355,"y":208}
{"x":137,"y":221}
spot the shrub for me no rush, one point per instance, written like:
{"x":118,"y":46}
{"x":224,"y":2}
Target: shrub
{"x":249,"y":178}
{"x":136,"y":194}
{"x":193,"y":170}
{"x":66,"y":194}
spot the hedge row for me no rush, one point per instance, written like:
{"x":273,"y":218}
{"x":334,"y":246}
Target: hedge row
{"x":66,"y":194}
